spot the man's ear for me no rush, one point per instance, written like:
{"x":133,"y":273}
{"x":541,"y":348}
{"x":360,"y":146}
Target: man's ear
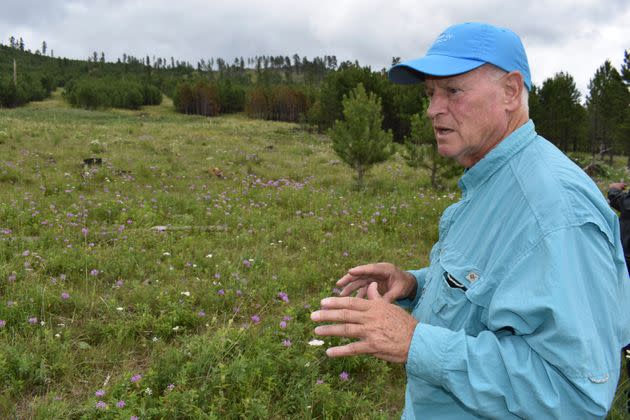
{"x":513,"y":86}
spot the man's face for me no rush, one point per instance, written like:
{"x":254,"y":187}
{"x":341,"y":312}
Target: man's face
{"x":467,"y":113}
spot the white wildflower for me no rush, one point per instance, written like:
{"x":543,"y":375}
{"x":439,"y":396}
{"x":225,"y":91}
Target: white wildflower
{"x":316,"y":343}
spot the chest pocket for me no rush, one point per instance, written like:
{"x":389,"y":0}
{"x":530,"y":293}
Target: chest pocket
{"x":454,"y":302}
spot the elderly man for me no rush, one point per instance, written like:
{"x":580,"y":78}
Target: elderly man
{"x":522,"y":311}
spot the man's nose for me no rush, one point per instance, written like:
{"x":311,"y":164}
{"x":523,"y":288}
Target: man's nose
{"x":436,"y":106}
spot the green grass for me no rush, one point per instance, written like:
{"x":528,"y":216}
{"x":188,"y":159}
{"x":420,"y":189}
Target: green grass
{"x":115,"y":296}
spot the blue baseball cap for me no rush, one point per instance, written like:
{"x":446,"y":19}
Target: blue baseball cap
{"x":462,"y":48}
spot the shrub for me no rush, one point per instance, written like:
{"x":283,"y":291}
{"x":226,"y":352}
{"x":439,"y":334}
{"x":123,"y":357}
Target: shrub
{"x":278,"y":103}
{"x":201,"y":98}
{"x":92,"y":93}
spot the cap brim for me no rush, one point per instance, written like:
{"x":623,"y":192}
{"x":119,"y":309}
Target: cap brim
{"x":414,"y":71}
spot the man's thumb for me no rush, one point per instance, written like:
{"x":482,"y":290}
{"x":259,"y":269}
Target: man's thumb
{"x":372,"y":291}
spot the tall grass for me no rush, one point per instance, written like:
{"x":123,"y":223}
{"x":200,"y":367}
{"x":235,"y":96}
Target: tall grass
{"x":176,"y":277}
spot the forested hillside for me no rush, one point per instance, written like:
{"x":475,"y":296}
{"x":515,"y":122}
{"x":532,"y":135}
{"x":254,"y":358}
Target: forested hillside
{"x":298,"y":89}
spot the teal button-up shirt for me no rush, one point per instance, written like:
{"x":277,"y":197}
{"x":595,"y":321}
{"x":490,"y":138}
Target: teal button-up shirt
{"x":526,"y":303}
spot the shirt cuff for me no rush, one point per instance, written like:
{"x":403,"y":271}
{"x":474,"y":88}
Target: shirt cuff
{"x":427,"y":353}
{"x":420,"y":276}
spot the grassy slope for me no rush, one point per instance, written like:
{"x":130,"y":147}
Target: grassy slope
{"x":176,"y":307}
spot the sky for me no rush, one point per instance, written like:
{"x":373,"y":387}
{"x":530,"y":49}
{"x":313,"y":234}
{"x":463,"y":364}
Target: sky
{"x":574,"y":36}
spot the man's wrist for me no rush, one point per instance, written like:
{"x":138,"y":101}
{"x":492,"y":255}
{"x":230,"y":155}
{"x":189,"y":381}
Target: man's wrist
{"x":411,"y":294}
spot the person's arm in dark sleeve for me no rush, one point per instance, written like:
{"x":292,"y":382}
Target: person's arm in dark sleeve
{"x":617,"y":197}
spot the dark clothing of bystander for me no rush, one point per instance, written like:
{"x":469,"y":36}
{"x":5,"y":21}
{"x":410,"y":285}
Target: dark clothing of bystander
{"x":620,"y":201}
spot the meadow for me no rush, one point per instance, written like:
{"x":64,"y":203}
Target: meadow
{"x":159,"y":265}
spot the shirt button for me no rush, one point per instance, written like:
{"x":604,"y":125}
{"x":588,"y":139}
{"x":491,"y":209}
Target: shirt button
{"x":472,"y":277}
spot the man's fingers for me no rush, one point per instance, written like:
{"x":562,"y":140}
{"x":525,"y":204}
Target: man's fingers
{"x":352,"y":349}
{"x":372,"y":270}
{"x":345,"y":303}
{"x":338,"y":315}
{"x":372,"y":291}
{"x":390,"y":296}
{"x":350,"y":288}
{"x":367,"y":272}
{"x":362,"y":292}
{"x":340,"y":330}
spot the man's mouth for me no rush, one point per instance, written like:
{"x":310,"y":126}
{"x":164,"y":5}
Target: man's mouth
{"x":441,"y":131}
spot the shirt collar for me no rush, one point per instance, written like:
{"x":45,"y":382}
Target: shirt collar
{"x":497,"y":157}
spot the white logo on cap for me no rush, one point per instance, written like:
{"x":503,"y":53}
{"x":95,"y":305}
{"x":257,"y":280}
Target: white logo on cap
{"x":443,"y":38}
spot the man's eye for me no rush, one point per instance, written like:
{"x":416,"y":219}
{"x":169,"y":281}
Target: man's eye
{"x":453,"y":91}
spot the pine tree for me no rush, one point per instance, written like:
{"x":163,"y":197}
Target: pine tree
{"x":625,"y":67}
{"x":563,"y":118}
{"x":421,"y":149}
{"x":607,"y":104}
{"x":359,"y":140}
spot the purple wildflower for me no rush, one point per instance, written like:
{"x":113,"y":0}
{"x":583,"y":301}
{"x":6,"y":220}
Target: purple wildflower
{"x":26,"y":253}
{"x":283,"y":324}
{"x":201,"y":313}
{"x":135,"y":378}
{"x":319,"y":382}
{"x":170,"y":387}
{"x":3,"y":323}
{"x":120,"y":404}
{"x":286,"y":343}
{"x":221,"y":292}
{"x":32,"y":320}
{"x":344,"y":376}
{"x":65,"y":296}
{"x":119,"y":284}
{"x":283,"y":296}
{"x":12,"y":277}
{"x":94,"y":272}
{"x":247,"y":263}
{"x":84,"y":231}
{"x":255,"y":319}
{"x":99,"y":393}
{"x":239,"y":293}
{"x":101,"y":405}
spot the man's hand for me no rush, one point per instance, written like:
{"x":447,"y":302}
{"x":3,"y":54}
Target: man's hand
{"x":393,"y":283}
{"x":384,"y":330}
{"x":617,"y":186}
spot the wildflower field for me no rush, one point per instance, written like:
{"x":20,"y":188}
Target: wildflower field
{"x":157,"y":265}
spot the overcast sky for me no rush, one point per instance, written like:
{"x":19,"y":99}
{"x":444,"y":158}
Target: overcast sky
{"x":575,"y":36}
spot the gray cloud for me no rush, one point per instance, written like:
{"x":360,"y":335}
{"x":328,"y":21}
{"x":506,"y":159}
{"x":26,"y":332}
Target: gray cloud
{"x":556,"y":33}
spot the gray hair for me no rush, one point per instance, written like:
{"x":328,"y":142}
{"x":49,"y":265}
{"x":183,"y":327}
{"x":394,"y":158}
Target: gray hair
{"x":495,"y":73}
